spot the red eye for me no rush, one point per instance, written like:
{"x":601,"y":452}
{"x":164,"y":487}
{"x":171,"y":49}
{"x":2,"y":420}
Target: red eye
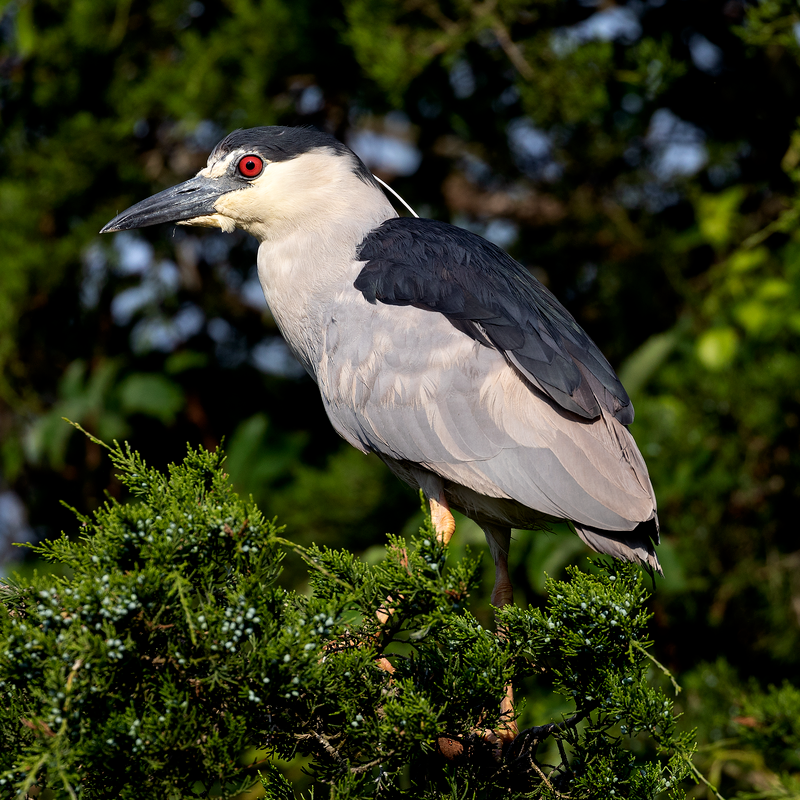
{"x":251,"y":166}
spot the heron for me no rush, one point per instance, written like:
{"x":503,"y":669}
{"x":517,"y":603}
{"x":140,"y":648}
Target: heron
{"x":431,"y":347}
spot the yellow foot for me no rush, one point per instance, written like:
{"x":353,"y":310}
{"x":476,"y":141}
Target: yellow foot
{"x":442,"y":519}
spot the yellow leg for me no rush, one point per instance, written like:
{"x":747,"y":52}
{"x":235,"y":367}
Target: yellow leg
{"x":442,"y":519}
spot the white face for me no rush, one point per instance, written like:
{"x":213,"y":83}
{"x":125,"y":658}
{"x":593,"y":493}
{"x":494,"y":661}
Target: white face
{"x":282,"y":196}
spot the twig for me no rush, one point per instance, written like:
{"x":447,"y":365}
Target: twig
{"x":541,"y":732}
{"x":328,"y":748}
{"x":546,"y":781}
{"x":67,"y":785}
{"x":368,"y":766}
{"x":699,"y":775}
{"x":33,"y":773}
{"x":303,"y":553}
{"x":788,"y":217}
{"x":511,"y":49}
{"x":660,"y":666}
{"x":186,"y":610}
{"x":89,"y":435}
{"x":563,"y":754}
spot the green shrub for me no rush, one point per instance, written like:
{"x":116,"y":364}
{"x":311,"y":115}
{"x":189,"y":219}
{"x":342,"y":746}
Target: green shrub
{"x":166,"y":649}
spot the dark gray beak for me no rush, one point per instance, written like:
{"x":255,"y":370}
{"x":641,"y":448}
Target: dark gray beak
{"x":192,"y":198}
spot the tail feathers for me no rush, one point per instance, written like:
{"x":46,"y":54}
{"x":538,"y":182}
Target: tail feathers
{"x":636,"y":545}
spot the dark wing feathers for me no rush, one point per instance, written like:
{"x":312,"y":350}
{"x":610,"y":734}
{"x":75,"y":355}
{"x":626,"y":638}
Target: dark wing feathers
{"x":490,"y":297}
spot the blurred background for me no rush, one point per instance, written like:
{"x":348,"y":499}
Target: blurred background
{"x":641,"y":158}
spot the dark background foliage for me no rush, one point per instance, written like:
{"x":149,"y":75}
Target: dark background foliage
{"x":641,"y":158}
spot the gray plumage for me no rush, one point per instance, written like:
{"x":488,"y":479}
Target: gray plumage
{"x":431,"y":347}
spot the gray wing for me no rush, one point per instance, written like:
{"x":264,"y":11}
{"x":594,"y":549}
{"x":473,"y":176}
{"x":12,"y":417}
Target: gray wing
{"x":405,"y":383}
{"x":491,"y":298}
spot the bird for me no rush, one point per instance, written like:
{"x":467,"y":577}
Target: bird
{"x":430,"y":346}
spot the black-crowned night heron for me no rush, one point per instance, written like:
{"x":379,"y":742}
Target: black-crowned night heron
{"x":430,"y":346}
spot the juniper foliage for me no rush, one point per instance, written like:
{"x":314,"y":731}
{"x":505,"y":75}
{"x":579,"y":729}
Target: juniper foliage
{"x":164,"y":648}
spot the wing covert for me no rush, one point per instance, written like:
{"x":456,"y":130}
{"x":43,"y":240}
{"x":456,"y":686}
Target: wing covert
{"x":488,"y":296}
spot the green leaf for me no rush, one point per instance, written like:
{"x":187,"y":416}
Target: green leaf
{"x":716,"y":214}
{"x":716,"y":348}
{"x":152,"y":395}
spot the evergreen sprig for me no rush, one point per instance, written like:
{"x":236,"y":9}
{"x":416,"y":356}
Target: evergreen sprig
{"x":168,"y":650}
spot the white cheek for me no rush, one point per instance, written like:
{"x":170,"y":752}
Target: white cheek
{"x":220,"y":221}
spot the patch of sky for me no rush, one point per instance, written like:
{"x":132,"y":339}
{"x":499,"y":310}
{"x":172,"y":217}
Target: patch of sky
{"x":501,"y":232}
{"x":632,"y":103}
{"x":216,"y":247}
{"x":219,"y":329}
{"x":385,"y":153}
{"x":93,"y":275}
{"x":462,"y":79}
{"x":273,"y":357}
{"x":720,"y":174}
{"x":232,"y":278}
{"x":160,"y":282}
{"x":134,"y":254}
{"x":251,"y":293}
{"x":231,"y":345}
{"x":130,"y":301}
{"x":476,"y":169}
{"x":587,"y":275}
{"x":677,"y":147}
{"x":532,"y":149}
{"x":14,"y":528}
{"x":706,"y":56}
{"x":166,"y":334}
{"x":652,"y":196}
{"x":311,"y":100}
{"x":507,"y":97}
{"x":613,"y":24}
{"x":205,"y":135}
{"x":388,"y":151}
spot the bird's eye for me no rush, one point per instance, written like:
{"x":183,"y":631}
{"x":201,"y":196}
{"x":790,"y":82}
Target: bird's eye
{"x":251,"y":166}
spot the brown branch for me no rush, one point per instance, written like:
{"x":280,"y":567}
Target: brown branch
{"x":541,"y":732}
{"x":328,"y":748}
{"x":511,"y":49}
{"x":374,"y":763}
{"x":546,"y":781}
{"x":528,"y":740}
{"x":38,"y":726}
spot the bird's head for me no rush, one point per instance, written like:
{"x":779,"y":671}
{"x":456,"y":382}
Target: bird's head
{"x":264,"y":180}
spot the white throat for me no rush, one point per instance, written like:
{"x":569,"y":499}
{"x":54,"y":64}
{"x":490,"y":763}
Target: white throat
{"x":319,"y":211}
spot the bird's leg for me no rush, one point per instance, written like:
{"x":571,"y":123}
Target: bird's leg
{"x":442,"y":519}
{"x":499,"y":541}
{"x":433,"y":488}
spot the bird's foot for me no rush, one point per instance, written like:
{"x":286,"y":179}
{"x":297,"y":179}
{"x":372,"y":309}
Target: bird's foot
{"x":507,"y":731}
{"x":443,"y":521}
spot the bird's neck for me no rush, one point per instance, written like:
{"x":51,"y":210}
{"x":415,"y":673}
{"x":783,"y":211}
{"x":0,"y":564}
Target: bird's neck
{"x":307,"y":266}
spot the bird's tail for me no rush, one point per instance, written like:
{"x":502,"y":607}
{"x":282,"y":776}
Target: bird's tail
{"x":636,"y":545}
